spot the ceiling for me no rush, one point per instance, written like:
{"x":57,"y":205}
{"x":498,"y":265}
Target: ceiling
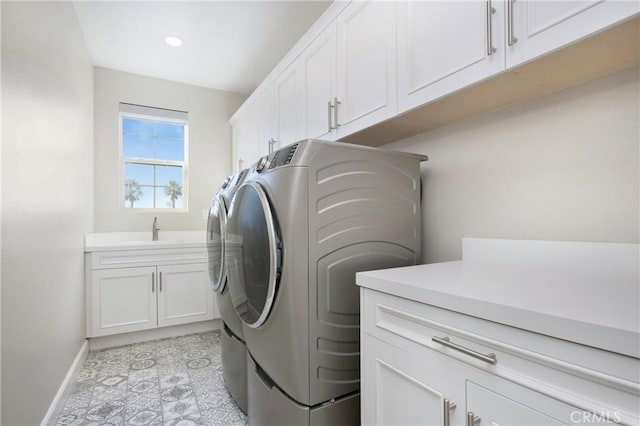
{"x":228,"y":45}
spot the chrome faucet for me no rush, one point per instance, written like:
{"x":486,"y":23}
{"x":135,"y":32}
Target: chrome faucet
{"x":155,"y":229}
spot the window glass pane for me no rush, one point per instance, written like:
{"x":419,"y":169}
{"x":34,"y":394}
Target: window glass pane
{"x":146,"y":202}
{"x":166,"y":174}
{"x":141,"y":173}
{"x":137,"y":127}
{"x":137,"y":196}
{"x":169,"y":130}
{"x":170,"y":149}
{"x":137,"y":146}
{"x":168,"y":197}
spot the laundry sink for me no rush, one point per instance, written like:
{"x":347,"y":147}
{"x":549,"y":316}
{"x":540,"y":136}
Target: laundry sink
{"x":142,"y":240}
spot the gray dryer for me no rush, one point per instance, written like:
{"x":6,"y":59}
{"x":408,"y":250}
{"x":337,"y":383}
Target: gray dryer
{"x":308,"y":217}
{"x":234,"y":350}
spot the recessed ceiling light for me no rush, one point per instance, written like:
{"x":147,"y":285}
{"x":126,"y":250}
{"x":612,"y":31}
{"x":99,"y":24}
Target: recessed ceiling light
{"x":174,"y":41}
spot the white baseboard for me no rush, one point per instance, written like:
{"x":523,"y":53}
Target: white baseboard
{"x":97,"y":343}
{"x":64,"y":387}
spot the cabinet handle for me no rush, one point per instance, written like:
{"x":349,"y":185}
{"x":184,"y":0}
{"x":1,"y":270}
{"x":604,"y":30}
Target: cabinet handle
{"x":490,"y":358}
{"x":490,"y":11}
{"x":448,"y":406}
{"x":336,"y":102}
{"x":511,"y":38}
{"x":153,"y":282}
{"x":160,"y":281}
{"x":240,"y":161}
{"x":472,"y":419}
{"x":329,"y":108}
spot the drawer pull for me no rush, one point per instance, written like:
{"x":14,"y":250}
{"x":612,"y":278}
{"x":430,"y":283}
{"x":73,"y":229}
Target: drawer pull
{"x":472,"y":419}
{"x":448,"y":406}
{"x":490,"y":358}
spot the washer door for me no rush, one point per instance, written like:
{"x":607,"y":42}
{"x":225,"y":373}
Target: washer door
{"x":253,"y":254}
{"x":215,"y":243}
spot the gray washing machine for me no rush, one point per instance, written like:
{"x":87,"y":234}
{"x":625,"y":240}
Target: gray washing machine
{"x":308,"y":217}
{"x":234,"y":350}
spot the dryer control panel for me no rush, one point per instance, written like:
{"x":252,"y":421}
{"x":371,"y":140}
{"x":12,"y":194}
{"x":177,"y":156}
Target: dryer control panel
{"x":283,"y":156}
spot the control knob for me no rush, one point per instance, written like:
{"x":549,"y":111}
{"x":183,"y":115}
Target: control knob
{"x":262,"y":164}
{"x":226,"y":182}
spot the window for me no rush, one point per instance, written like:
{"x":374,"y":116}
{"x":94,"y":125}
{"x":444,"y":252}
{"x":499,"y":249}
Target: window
{"x":153,"y":152}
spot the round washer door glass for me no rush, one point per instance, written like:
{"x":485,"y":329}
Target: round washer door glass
{"x":252,"y":254}
{"x":215,"y":243}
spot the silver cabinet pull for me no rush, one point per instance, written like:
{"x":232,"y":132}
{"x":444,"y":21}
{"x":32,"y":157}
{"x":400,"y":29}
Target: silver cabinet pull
{"x":240,"y":161}
{"x":472,"y":419}
{"x":490,"y":358}
{"x":329,"y":108}
{"x":447,"y":407}
{"x":160,"y":281}
{"x":336,"y":102}
{"x":153,"y":282}
{"x":271,"y":143}
{"x":511,"y":38}
{"x":490,"y":11}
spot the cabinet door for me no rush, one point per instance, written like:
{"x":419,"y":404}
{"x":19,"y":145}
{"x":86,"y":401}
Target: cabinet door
{"x":541,"y":26}
{"x":444,"y":46}
{"x":266,"y":123}
{"x":399,"y":388}
{"x":495,"y":409}
{"x":123,"y":300}
{"x":248,"y":150}
{"x":287,"y":107}
{"x":318,"y":70}
{"x":366,"y":65}
{"x":184,"y":294}
{"x":235,"y":146}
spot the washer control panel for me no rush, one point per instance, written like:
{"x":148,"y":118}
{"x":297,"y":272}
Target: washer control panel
{"x":283,"y":156}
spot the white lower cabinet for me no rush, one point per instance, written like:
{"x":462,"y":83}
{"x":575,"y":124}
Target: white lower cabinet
{"x":184,"y":294}
{"x":404,"y":389}
{"x":123,"y":300}
{"x":141,"y":290}
{"x":483,"y":373}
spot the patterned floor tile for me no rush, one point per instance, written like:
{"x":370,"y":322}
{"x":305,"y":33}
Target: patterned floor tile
{"x":167,"y":382}
{"x":179,"y":409}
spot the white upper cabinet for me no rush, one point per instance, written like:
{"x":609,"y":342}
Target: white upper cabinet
{"x":318,"y":71}
{"x":537,"y":27}
{"x":349,"y":72}
{"x":366,"y":65}
{"x":247,"y":148}
{"x":444,"y":46}
{"x":287,"y":108}
{"x":365,"y":62}
{"x":266,"y":122}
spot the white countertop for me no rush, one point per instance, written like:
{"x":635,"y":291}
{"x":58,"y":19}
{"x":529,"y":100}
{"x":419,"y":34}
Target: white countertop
{"x":108,"y":241}
{"x":587,"y":293}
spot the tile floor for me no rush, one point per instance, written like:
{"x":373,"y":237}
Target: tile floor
{"x":176,"y":382}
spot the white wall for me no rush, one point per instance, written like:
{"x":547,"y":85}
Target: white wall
{"x":47,"y":186}
{"x":209,"y":159}
{"x":560,"y":167}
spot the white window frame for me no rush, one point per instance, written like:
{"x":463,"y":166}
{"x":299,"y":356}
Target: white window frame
{"x":158,"y":115}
